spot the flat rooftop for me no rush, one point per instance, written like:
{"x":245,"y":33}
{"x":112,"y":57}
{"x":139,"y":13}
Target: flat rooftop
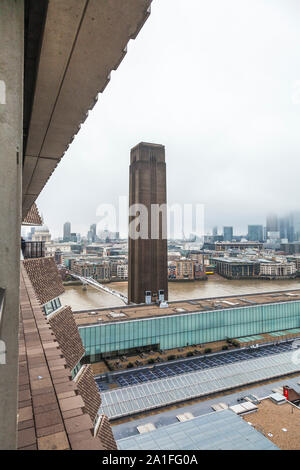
{"x":236,"y":260}
{"x":279,"y":423}
{"x":215,"y":431}
{"x":135,"y":399}
{"x":133,"y":312}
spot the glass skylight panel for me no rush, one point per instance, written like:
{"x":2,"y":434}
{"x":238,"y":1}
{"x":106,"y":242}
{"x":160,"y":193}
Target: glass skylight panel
{"x":107,"y":399}
{"x":179,"y":393}
{"x":166,"y":391}
{"x":146,"y":402}
{"x":161,"y":398}
{"x":129,"y":393}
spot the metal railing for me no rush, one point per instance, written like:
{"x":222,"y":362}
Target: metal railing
{"x":34,"y":250}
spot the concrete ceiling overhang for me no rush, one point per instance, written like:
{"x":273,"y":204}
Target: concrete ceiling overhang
{"x":82,"y":41}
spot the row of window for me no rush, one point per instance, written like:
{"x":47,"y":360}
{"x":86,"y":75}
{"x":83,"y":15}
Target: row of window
{"x":76,"y":370}
{"x":51,"y":306}
{"x":180,"y":330}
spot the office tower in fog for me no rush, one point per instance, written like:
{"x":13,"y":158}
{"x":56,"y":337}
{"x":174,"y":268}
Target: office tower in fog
{"x":272,"y":223}
{"x":255,"y":233}
{"x":228,"y":234}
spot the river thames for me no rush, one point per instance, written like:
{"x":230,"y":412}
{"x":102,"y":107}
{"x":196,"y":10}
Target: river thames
{"x":215,"y":286}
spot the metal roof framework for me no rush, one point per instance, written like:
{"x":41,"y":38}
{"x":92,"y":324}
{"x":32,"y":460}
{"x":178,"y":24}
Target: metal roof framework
{"x":163,"y":392}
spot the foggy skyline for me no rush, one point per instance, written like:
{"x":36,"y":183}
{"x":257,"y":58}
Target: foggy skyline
{"x":218,"y":84}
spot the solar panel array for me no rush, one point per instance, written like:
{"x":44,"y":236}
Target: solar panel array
{"x":159,"y":393}
{"x":125,"y":378}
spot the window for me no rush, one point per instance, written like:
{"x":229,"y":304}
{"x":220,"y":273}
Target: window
{"x":51,"y":306}
{"x":76,"y":370}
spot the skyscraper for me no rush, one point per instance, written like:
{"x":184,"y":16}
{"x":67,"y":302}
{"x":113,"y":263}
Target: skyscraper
{"x":285,"y":227}
{"x":147,"y":256}
{"x":255,"y":233}
{"x":228,"y":234}
{"x":295,"y":225}
{"x":93,"y":228}
{"x":272,"y":223}
{"x":67,"y":231}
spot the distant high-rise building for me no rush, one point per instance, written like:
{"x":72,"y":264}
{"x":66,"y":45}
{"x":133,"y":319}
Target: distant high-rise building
{"x":67,"y":231}
{"x":147,"y":257}
{"x":58,"y":257}
{"x":31,"y":233}
{"x":255,"y":233}
{"x":228,"y":234}
{"x":265,"y":233}
{"x":286,"y":228}
{"x":115,"y":235}
{"x":215,"y":232}
{"x":295,"y":225}
{"x":272,"y":223}
{"x":93,"y":233}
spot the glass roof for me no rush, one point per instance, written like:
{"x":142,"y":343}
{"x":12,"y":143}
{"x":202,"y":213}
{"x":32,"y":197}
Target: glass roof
{"x":159,"y":393}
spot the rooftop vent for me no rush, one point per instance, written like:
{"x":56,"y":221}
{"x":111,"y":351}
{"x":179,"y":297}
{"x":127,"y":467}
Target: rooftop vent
{"x":220,"y":406}
{"x":277,"y":398}
{"x":164,"y":305}
{"x":185,"y":417}
{"x":117,"y":314}
{"x":229,"y":303}
{"x":148,"y":427}
{"x":244,"y":408}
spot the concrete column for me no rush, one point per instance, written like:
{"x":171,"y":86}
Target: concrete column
{"x":11,"y":130}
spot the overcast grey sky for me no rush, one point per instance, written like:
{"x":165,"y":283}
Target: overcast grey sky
{"x":217,"y":82}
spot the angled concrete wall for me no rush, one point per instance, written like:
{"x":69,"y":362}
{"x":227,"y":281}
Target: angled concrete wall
{"x":11,"y":125}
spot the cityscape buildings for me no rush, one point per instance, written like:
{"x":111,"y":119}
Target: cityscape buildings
{"x":41,"y":234}
{"x":99,"y":271}
{"x":182,"y":269}
{"x":66,"y":376}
